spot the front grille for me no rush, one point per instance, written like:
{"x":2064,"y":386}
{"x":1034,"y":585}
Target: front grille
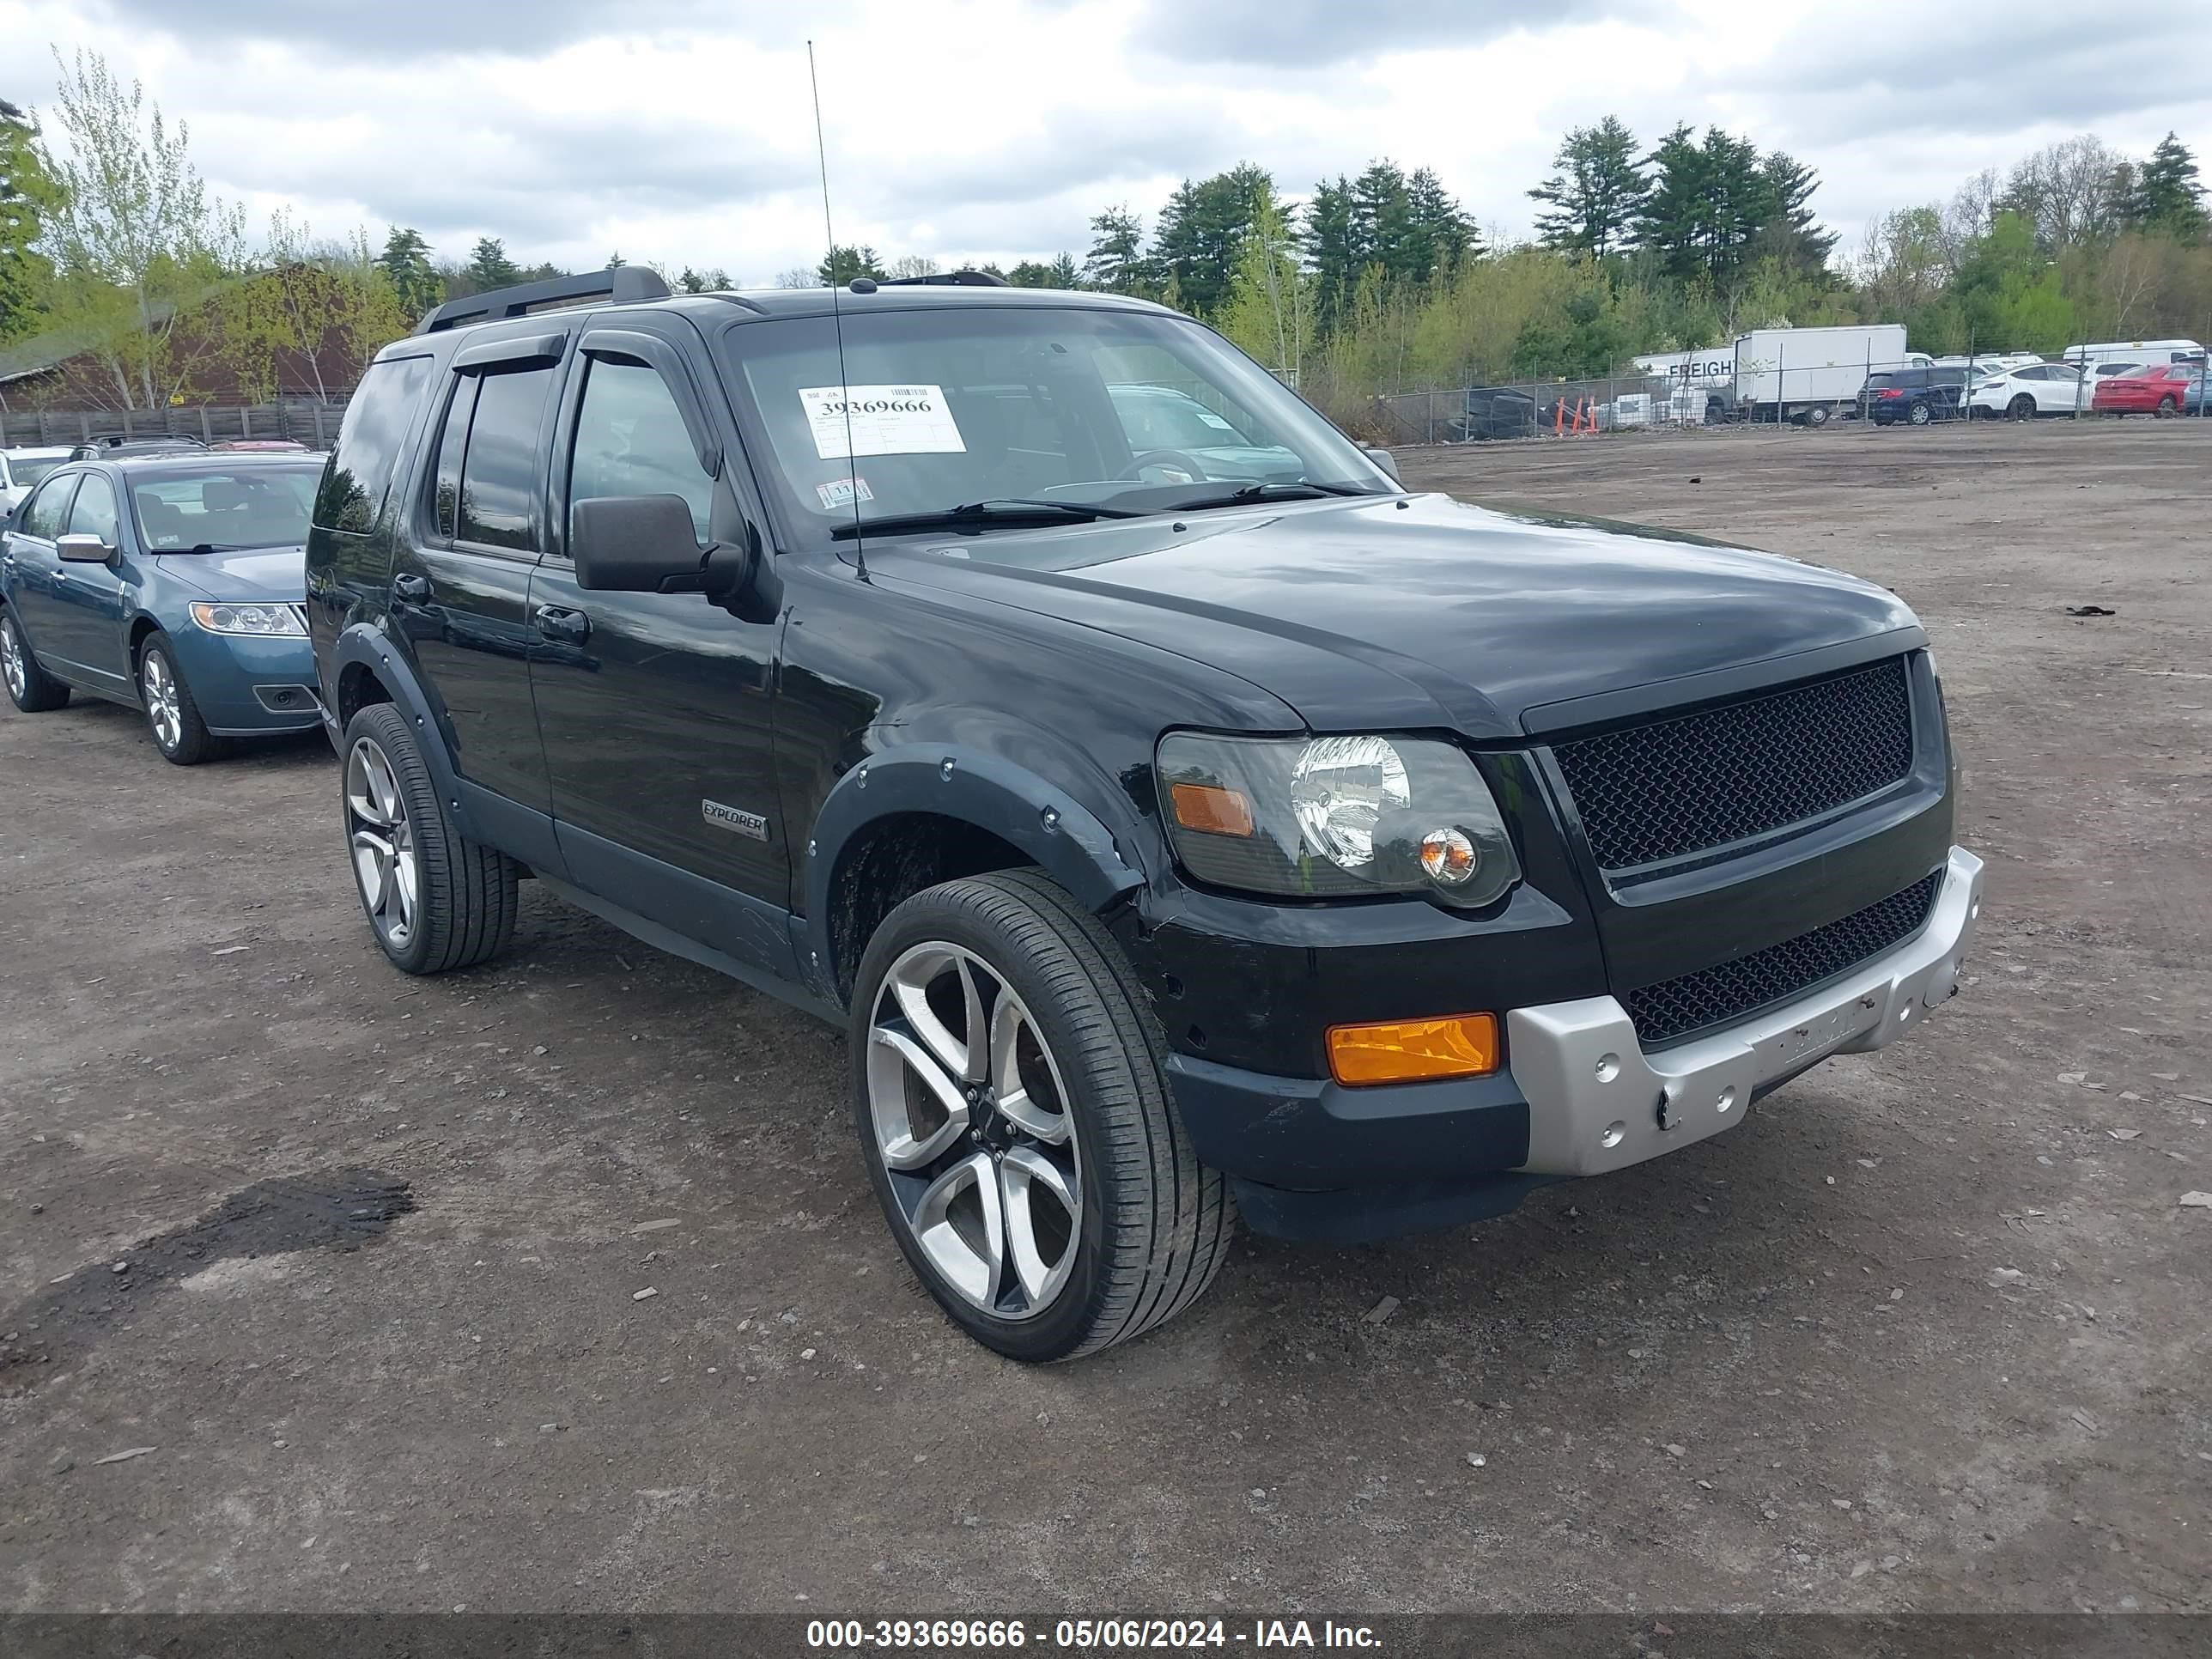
{"x":1677,"y":1008}
{"x":1670,"y":787}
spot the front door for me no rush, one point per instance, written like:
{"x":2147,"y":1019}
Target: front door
{"x":88,"y":599}
{"x":655,"y":709}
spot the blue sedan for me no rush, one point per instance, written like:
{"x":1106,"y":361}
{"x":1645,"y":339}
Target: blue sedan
{"x":175,"y":584}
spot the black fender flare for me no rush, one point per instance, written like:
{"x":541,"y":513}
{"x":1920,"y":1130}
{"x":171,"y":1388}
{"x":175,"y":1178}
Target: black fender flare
{"x":1043,"y":820}
{"x":365,"y":647}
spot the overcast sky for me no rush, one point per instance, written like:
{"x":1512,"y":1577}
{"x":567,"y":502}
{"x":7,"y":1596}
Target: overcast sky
{"x":680,"y":131}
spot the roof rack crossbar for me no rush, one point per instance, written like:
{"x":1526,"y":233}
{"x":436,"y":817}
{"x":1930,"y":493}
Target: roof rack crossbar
{"x":946,"y":279}
{"x":620,"y":284}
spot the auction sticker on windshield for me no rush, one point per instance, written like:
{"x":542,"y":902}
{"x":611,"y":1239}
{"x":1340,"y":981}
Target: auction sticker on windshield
{"x":880,"y":420}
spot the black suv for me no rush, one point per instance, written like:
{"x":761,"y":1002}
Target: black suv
{"x":1914,"y":396}
{"x":1175,"y":831}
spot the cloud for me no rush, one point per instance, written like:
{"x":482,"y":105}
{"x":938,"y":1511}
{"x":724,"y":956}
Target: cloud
{"x":415,"y":29}
{"x":1317,"y":34}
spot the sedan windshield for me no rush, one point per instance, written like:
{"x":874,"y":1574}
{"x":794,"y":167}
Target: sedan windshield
{"x":223,"y":509}
{"x":940,"y":412}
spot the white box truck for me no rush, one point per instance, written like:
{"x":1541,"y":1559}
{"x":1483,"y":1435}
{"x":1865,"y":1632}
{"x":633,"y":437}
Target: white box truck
{"x":1809,"y":375}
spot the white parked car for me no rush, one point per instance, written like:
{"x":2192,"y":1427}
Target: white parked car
{"x":1988,"y":363}
{"x":21,"y":468}
{"x":2035,"y":388}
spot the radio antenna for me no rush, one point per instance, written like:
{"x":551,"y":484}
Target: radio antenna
{"x":837,"y":320}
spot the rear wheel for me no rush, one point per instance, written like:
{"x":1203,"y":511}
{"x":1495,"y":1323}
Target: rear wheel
{"x":1919,"y":415}
{"x":30,"y":688}
{"x":1817,"y":415}
{"x":2021,"y":408}
{"x":2168,"y":407}
{"x":173,"y":718}
{"x":435,"y":900}
{"x":1017,"y":1129}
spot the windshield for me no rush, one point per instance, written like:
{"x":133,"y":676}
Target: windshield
{"x":26,"y":472}
{"x":1125,"y":411}
{"x":224,"y":508}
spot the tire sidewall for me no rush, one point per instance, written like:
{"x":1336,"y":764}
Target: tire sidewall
{"x":23,"y":653}
{"x":382,"y":726}
{"x":180,"y":753}
{"x":935,"y":917}
{"x":1920,"y":415}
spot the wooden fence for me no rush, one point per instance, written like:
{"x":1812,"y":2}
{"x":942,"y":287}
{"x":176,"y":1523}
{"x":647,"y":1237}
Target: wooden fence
{"x":306,"y":419}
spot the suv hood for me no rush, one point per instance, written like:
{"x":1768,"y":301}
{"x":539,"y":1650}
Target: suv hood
{"x":268,"y":575}
{"x":1400,"y":613}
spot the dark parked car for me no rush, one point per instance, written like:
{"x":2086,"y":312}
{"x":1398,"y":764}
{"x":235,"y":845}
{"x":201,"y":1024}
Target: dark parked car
{"x":1169,"y":841}
{"x":1496,"y":412}
{"x":114,"y":449}
{"x":1914,"y":396}
{"x":170,"y":585}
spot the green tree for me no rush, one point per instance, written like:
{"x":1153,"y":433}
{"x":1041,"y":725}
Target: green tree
{"x":405,"y":262}
{"x":1269,"y":311}
{"x":308,"y":307}
{"x":1200,"y":232}
{"x":843,"y":265}
{"x":135,"y":241}
{"x":1382,"y":219}
{"x":1331,"y":242}
{"x":1597,"y":196}
{"x":2167,"y":194}
{"x":1438,"y":233}
{"x":1792,"y":233}
{"x":1707,"y":205}
{"x":489,"y":267}
{"x":28,"y":196}
{"x":1116,"y":260}
{"x":1060,"y":272}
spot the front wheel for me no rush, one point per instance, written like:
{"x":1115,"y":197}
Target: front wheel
{"x":30,"y":688}
{"x":1016,"y":1126}
{"x":435,"y":900}
{"x":173,"y":718}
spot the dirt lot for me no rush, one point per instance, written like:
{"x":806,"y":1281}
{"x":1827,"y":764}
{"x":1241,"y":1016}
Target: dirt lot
{"x":1931,"y":1331}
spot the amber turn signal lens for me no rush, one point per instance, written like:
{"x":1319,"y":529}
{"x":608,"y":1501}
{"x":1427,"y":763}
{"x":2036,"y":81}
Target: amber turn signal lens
{"x":1410,"y":1050}
{"x":1212,"y":809}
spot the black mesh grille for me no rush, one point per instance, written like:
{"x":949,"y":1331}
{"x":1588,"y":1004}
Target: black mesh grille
{"x":1675,"y":786}
{"x":1676,"y":1008}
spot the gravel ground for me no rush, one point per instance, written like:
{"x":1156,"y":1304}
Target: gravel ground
{"x":1930,"y":1331}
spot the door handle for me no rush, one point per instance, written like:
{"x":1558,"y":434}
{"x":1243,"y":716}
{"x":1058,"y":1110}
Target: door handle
{"x":559,"y":622}
{"x":410,"y":587}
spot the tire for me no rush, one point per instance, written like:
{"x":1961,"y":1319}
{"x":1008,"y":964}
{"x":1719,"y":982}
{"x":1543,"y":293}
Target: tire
{"x":173,"y":718}
{"x":1919,"y":414}
{"x":2021,"y":408}
{"x":1151,"y":1226}
{"x":30,"y":688}
{"x":2168,"y":408}
{"x":1817,"y":415}
{"x":434,"y":900}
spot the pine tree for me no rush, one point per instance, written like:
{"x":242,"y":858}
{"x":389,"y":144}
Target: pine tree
{"x":1597,"y":196}
{"x":1331,"y":244}
{"x":843,"y":265}
{"x":1200,"y":232}
{"x":1439,"y":235}
{"x":1383,"y":218}
{"x":1791,"y":230}
{"x":406,"y":261}
{"x":1066,"y":273}
{"x":489,"y":267}
{"x":1116,"y":260}
{"x":2167,"y":195}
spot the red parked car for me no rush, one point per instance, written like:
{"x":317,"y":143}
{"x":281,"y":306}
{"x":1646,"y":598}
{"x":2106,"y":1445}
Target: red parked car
{"x":2160,"y":390}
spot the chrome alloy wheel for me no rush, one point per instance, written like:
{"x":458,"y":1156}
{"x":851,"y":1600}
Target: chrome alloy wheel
{"x":382,"y":842}
{"x":11,"y":660}
{"x":159,"y":684}
{"x":971,"y":1121}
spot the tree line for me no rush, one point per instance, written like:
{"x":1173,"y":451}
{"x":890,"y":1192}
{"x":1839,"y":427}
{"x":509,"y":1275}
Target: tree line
{"x":1368,"y":283}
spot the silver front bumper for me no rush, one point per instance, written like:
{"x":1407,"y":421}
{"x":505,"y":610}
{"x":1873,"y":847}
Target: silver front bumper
{"x":1597,"y":1103}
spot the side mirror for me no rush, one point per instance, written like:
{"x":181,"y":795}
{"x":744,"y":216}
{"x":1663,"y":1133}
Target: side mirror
{"x":633,"y":544}
{"x":83,"y":548}
{"x":1383,"y":458}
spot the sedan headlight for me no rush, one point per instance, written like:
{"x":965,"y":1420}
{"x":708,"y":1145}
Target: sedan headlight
{"x":1334,"y":817}
{"x":265,"y":620}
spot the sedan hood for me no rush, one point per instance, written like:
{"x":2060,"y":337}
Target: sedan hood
{"x":1411,"y":613}
{"x":270,"y":575}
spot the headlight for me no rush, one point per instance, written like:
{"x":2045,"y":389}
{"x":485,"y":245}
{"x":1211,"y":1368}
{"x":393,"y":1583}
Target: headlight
{"x":262,"y":619}
{"x":1334,"y":817}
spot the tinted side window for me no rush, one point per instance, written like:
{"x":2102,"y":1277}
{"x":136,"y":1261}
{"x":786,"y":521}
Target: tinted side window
{"x":94,"y":512}
{"x":631,"y":441}
{"x":452,"y":441}
{"x":43,"y":515}
{"x":499,"y":478}
{"x":374,"y":426}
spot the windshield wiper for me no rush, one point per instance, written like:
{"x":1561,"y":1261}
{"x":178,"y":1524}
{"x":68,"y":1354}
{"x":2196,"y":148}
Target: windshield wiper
{"x":206,"y":547}
{"x":1303,"y":491}
{"x":1010,"y":511}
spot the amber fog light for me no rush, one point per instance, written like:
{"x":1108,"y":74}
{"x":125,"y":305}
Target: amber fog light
{"x":1412,"y":1050}
{"x":1448,"y":857}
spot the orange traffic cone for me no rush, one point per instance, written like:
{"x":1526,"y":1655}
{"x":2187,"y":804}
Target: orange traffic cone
{"x":1559,"y":417}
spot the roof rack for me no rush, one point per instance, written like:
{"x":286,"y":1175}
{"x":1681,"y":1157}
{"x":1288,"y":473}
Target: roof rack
{"x":620,"y":284}
{"x":946,"y":279}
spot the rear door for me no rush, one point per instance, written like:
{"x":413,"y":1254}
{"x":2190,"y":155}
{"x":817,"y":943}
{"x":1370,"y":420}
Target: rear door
{"x":656,"y":708}
{"x":460,"y":571}
{"x":33,"y":572}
